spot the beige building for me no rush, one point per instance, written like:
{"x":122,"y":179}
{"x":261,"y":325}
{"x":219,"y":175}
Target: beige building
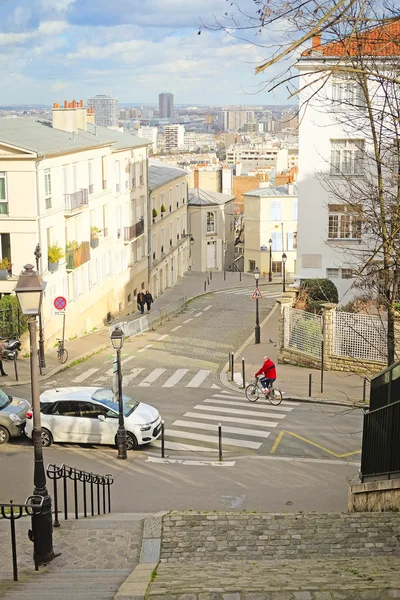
{"x":169,"y":244}
{"x":211,"y":224}
{"x":271,"y":214}
{"x":83,"y":189}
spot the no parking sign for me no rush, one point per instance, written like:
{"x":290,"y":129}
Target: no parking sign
{"x":60,"y":305}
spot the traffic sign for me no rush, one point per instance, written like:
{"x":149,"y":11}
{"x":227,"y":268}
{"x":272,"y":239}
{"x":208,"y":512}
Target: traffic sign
{"x":257,"y":294}
{"x":60,"y":304}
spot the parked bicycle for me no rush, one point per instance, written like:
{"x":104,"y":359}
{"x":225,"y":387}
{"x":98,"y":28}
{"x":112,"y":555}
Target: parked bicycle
{"x":255,"y":390}
{"x":62,"y":353}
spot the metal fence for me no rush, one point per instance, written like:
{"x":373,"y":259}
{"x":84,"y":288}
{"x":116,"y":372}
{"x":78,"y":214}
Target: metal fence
{"x":359,"y":336}
{"x":302,"y":331}
{"x":380,"y":456}
{"x":132,"y":328}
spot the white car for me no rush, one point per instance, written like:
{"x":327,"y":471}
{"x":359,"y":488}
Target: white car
{"x":89,"y":415}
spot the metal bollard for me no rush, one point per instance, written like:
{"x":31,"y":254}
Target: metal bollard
{"x":205,"y":286}
{"x":364,"y":389}
{"x":220,"y":441}
{"x":240,"y":276}
{"x":162,"y":439}
{"x":210,"y":275}
{"x":208,"y":280}
{"x":224,"y":275}
{"x":229,"y":363}
{"x":243,"y":374}
{"x":232,"y":366}
{"x":309,"y":385}
{"x":15,"y":368}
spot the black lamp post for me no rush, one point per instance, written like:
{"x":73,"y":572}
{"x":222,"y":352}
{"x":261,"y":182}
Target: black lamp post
{"x":29,"y":292}
{"x":42,"y":359}
{"x":270,"y":261}
{"x":257,"y":327}
{"x":117,"y":340}
{"x":284,"y":258}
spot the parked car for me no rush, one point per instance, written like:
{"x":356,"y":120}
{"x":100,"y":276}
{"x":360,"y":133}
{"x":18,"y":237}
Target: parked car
{"x":90,"y":415}
{"x":12,"y":416}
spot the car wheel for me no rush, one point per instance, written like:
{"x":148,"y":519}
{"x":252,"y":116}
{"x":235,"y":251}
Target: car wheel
{"x":131,"y":441}
{"x":4,"y":435}
{"x":47,"y":438}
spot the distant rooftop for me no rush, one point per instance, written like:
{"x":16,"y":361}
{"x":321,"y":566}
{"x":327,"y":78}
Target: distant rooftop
{"x":198,"y":197}
{"x":280,"y":190}
{"x":161,"y":173}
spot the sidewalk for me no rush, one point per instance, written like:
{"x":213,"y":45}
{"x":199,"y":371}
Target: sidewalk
{"x":191,"y":285}
{"x":294,"y":381}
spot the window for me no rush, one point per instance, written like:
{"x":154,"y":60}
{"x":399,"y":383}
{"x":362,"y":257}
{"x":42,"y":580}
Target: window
{"x":183,"y":192}
{"x":104,"y":172}
{"x":347,"y":273}
{"x":276,"y":237}
{"x":47,"y":188}
{"x":177,"y":196}
{"x":129,"y":298}
{"x":65,"y":409}
{"x":211,"y":222}
{"x":91,"y":411}
{"x":344,"y":223}
{"x":3,"y":194}
{"x":117,"y":176}
{"x":275,"y":210}
{"x":252,"y":265}
{"x":332,"y":273}
{"x":347,"y":157}
{"x":347,"y":92}
{"x":294,"y":210}
{"x":178,"y":228}
{"x":5,"y":246}
{"x":170,"y":199}
{"x":154,"y":246}
{"x":276,"y":266}
{"x":91,"y":188}
{"x":290,"y":241}
{"x":170,"y":233}
{"x":162,"y":240}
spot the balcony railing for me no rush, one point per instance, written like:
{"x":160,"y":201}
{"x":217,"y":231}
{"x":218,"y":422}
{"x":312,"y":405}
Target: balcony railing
{"x":78,"y":257}
{"x":76,"y":201}
{"x":132,"y":232}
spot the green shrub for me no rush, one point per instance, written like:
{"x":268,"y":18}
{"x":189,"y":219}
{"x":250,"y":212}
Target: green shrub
{"x":54,"y":253}
{"x":397,"y":306}
{"x":155,"y":213}
{"x":9,"y":310}
{"x":163,"y":209}
{"x":5,"y":264}
{"x":320,"y":290}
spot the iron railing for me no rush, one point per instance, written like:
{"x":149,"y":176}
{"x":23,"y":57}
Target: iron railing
{"x":77,"y":200}
{"x":147,"y":322}
{"x":95,"y":491}
{"x":132,"y":232}
{"x":380,"y":457}
{"x":79,"y":256}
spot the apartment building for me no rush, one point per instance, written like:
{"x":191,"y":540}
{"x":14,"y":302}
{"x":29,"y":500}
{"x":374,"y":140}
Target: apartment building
{"x":174,"y":138}
{"x":82,"y":189}
{"x":106,"y":110}
{"x":169,"y":239}
{"x":258,"y":155}
{"x":151,"y":135}
{"x":271,"y":214}
{"x":166,"y":105}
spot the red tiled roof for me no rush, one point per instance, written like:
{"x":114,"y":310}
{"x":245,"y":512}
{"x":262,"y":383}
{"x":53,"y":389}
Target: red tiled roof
{"x":383,"y":40}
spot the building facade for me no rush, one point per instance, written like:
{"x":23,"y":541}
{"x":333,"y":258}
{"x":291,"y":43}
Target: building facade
{"x":174,"y":138}
{"x":85,"y":194}
{"x":169,"y":244}
{"x":166,"y":106}
{"x":151,"y":135}
{"x":106,"y":110}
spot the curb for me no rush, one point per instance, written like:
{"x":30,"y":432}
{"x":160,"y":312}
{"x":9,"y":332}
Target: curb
{"x":137,"y":583}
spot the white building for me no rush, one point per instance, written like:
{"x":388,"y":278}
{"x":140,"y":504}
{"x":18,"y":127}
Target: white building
{"x":174,"y":138}
{"x":270,"y":213}
{"x":258,"y":155}
{"x":83,"y":189}
{"x":105,"y":109}
{"x":211,"y":225}
{"x":150,"y":134}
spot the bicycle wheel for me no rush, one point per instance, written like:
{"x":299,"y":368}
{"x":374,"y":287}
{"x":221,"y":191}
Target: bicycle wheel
{"x":252,"y":392}
{"x":63,"y":356}
{"x":275,"y":397}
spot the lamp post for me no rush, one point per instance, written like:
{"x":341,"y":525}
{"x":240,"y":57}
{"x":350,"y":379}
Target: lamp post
{"x":270,"y":261}
{"x":42,"y":359}
{"x":257,"y":327}
{"x":117,"y":340}
{"x":29,"y":291}
{"x":284,"y":258}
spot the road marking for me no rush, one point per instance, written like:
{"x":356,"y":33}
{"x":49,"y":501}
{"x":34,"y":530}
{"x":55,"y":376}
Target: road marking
{"x":234,"y":290}
{"x":145,"y":348}
{"x":176,"y":328}
{"x":231,"y":395}
{"x":162,"y":337}
{"x":223,"y":418}
{"x":215,"y":387}
{"x":101,"y":379}
{"x":252,"y":413}
{"x":193,"y":463}
{"x":213,"y":439}
{"x":134,"y":373}
{"x":303,"y":439}
{"x":198,"y":314}
{"x":126,"y":360}
{"x":227,"y":429}
{"x":207,"y":307}
{"x":85,"y":375}
{"x":175,"y":446}
{"x":259,"y":406}
{"x":153,"y":376}
{"x":175,"y":378}
{"x":324,"y":461}
{"x":198,"y":378}
{"x":187,"y":321}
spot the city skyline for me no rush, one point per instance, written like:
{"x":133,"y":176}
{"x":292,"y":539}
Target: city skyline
{"x":79,"y":49}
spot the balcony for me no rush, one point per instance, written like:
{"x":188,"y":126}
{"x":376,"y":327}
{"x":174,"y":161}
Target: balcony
{"x":78,"y":256}
{"x":77,"y":201}
{"x":132,"y":232}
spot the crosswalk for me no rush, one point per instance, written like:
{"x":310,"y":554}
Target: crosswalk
{"x":244,"y":425}
{"x":241,"y":291}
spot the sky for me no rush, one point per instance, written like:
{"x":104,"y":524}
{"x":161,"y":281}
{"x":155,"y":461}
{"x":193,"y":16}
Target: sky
{"x":52,"y":50}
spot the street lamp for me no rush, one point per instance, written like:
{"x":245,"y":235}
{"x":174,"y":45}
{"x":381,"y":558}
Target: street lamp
{"x":29,"y":291}
{"x":270,"y":260}
{"x":117,"y":340}
{"x":284,"y":258}
{"x":42,"y":359}
{"x":257,"y":327}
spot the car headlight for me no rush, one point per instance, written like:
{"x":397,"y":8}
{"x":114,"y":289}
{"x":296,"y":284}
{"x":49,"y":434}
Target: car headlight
{"x":145,"y":427}
{"x":15,"y":418}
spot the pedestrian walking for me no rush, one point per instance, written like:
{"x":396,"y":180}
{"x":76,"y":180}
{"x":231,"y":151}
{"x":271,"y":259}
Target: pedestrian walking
{"x":148,"y":299}
{"x":140,"y":302}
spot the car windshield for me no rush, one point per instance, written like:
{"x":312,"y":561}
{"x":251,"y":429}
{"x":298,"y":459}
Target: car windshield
{"x":106,"y":397}
{"x":4,"y":400}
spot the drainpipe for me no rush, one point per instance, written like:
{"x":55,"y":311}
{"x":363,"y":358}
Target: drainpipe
{"x":42,"y":358}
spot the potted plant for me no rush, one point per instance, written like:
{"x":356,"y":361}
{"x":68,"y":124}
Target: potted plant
{"x":94,"y":236}
{"x":5,"y":266}
{"x":155,"y":214}
{"x":163,"y":210}
{"x":54,"y":255}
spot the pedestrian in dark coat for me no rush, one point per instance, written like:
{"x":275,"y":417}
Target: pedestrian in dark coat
{"x":140,"y":302}
{"x":148,"y":299}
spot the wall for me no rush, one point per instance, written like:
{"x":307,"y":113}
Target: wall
{"x":224,"y":236}
{"x":373,"y":496}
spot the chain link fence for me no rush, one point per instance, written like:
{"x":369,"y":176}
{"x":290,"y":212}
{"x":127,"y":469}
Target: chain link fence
{"x":146,"y":322}
{"x":302,"y":331}
{"x":359,"y":336}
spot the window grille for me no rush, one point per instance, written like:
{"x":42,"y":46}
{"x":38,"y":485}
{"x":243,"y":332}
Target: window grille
{"x":302,"y":331}
{"x":359,"y":336}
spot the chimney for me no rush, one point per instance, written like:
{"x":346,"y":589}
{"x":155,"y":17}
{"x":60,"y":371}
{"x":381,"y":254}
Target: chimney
{"x":196,"y":179}
{"x":71,"y":117}
{"x":316,"y":41}
{"x":90,"y":116}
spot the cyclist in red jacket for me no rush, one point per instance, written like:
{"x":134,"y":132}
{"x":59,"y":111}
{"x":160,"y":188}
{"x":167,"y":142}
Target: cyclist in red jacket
{"x":268,"y":372}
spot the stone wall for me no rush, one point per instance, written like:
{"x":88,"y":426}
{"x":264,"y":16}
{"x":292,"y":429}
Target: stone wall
{"x":196,"y":536}
{"x":374,"y":496}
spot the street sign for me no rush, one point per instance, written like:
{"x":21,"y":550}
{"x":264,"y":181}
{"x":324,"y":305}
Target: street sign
{"x":257,"y":294}
{"x":60,"y":303}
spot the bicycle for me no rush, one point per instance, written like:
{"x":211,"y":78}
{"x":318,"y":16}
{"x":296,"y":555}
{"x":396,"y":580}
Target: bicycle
{"x":255,"y":390}
{"x":62,"y":353}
